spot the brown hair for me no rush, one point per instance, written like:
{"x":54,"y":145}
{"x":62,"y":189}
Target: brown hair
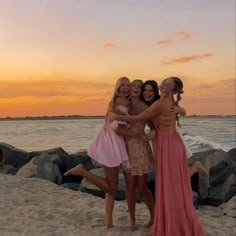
{"x":178,"y":90}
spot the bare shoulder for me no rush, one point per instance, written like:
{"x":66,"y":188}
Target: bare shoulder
{"x":144,"y":105}
{"x":157,"y":104}
{"x":122,"y":101}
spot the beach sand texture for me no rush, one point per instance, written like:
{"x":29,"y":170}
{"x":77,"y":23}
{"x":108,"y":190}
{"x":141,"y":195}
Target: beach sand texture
{"x":30,"y":206}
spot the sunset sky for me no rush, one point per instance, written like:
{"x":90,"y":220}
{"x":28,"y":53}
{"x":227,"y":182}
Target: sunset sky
{"x":63,"y":57}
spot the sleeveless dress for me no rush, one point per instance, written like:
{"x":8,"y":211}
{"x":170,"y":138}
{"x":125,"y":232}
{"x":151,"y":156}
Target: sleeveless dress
{"x":155,"y":122}
{"x":174,"y":213}
{"x":108,"y":148}
{"x":139,"y":152}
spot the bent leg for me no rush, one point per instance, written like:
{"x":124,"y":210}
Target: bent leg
{"x":197,"y":167}
{"x":99,"y":181}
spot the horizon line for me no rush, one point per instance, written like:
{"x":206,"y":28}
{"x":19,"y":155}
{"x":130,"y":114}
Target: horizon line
{"x":83,"y":117}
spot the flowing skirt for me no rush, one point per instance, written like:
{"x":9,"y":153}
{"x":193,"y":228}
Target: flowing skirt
{"x":174,"y":210}
{"x":109,"y":149}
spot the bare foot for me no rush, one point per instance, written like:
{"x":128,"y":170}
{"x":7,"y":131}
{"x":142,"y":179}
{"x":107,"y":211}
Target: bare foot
{"x":77,"y":170}
{"x":108,"y":226}
{"x":199,"y":167}
{"x":132,"y":227}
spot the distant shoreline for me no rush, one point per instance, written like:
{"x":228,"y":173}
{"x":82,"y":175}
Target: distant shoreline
{"x":72,"y":117}
{"x":79,"y":117}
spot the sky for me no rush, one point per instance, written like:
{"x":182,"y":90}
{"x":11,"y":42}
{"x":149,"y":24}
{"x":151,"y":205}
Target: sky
{"x":63,"y":57}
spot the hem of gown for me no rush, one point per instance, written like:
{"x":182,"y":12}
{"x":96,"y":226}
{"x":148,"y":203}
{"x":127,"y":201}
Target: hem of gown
{"x":140,"y":173}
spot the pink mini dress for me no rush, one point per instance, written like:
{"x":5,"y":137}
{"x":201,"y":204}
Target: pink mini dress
{"x":108,"y":148}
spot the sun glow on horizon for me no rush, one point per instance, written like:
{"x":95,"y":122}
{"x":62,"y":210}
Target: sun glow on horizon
{"x":63,"y":57}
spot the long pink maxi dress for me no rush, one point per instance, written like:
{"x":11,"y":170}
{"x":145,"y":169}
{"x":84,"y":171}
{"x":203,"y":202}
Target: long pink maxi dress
{"x":174,"y":210}
{"x":108,"y":148}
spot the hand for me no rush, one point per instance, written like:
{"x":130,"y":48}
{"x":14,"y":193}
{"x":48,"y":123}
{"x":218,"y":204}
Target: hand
{"x":151,"y":135}
{"x":173,"y":109}
{"x":144,"y":137}
{"x":111,"y":116}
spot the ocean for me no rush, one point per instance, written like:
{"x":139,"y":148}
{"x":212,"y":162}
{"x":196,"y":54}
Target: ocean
{"x":73,"y":135}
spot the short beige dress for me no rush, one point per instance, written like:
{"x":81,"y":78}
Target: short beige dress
{"x":139,"y":151}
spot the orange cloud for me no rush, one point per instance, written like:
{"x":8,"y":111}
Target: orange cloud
{"x":226,"y":89}
{"x":163,"y":42}
{"x":109,"y":45}
{"x":52,"y":106}
{"x":216,"y":97}
{"x":60,"y":97}
{"x":218,"y":91}
{"x":52,"y":88}
{"x":187,"y":59}
{"x":182,"y":34}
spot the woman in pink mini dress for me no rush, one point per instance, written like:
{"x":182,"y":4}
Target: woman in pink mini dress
{"x":109,"y":149}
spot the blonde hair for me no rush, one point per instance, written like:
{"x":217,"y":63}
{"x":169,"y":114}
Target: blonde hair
{"x":116,"y":92}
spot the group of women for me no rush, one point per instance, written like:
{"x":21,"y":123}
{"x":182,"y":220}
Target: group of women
{"x":123,"y":143}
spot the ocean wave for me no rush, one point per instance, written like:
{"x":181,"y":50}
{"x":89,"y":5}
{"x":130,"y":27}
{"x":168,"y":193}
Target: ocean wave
{"x":199,"y":143}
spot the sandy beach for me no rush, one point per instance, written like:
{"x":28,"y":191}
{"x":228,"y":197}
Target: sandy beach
{"x":31,"y":206}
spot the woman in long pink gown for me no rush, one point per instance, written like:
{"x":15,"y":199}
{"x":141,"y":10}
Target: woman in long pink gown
{"x":174,"y":211}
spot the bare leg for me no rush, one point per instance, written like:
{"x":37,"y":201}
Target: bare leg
{"x":147,"y":197}
{"x":96,"y":180}
{"x":108,"y":184}
{"x":131,"y":198}
{"x":197,"y":167}
{"x":111,"y":174}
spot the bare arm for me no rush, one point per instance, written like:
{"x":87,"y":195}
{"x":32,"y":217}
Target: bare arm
{"x":126,"y":132}
{"x":181,"y":111}
{"x":178,"y":110}
{"x":148,"y":114}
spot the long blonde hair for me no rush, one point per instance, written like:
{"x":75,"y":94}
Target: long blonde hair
{"x":116,"y":92}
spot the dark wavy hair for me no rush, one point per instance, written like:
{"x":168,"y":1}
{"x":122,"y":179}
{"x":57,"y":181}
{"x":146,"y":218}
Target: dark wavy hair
{"x":154,"y":85}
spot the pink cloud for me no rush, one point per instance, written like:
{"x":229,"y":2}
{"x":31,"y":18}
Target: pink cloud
{"x":187,"y":58}
{"x":163,"y":42}
{"x":109,"y":45}
{"x":179,"y":33}
{"x":183,"y":34}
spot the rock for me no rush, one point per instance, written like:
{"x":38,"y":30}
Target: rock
{"x":222,"y":192}
{"x":219,"y":221}
{"x":222,"y":174}
{"x":204,"y":181}
{"x":79,"y":158}
{"x":216,"y":188}
{"x":214,"y":156}
{"x":14,"y":156}
{"x":73,"y":186}
{"x":74,"y":160}
{"x":60,"y":152}
{"x":88,"y":187}
{"x":232,"y":154}
{"x":44,"y":166}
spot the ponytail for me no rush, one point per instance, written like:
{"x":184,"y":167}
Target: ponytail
{"x":178,"y":90}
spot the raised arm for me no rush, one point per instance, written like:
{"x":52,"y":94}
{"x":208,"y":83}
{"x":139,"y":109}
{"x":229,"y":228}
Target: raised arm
{"x":123,"y":131}
{"x":148,"y":114}
{"x":181,"y":111}
{"x":178,"y":110}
